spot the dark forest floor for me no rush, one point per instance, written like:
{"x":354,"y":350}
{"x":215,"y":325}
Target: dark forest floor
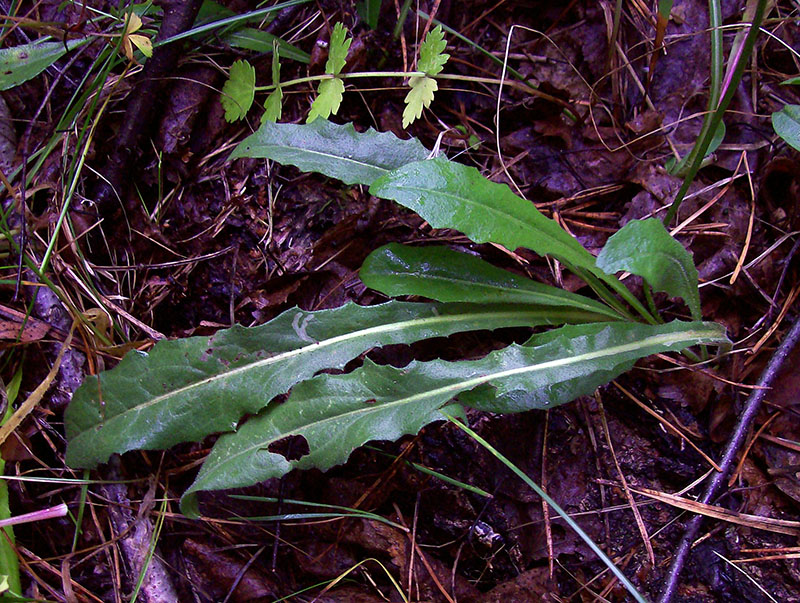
{"x":195,"y":242}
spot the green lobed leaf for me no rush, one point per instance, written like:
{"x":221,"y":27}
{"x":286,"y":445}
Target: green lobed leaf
{"x":337,"y":413}
{"x":445,"y":275}
{"x":272,"y":106}
{"x":261,"y":41}
{"x":186,"y":389}
{"x":335,"y":150}
{"x":645,"y":248}
{"x":329,"y":97}
{"x":420,"y":96}
{"x":337,"y":50}
{"x":451,"y":195}
{"x":431,"y":52}
{"x":787,"y":125}
{"x":19,"y":64}
{"x":239,"y":90}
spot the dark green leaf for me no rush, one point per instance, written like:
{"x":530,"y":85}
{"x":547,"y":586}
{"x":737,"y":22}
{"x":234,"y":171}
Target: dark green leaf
{"x":337,"y":413}
{"x":336,"y":151}
{"x":645,"y":248}
{"x":186,"y":389}
{"x":449,"y":276}
{"x":239,"y":90}
{"x":787,"y":125}
{"x":18,"y":64}
{"x":451,"y":195}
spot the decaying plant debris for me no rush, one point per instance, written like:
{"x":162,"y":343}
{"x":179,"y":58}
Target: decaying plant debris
{"x":165,"y":237}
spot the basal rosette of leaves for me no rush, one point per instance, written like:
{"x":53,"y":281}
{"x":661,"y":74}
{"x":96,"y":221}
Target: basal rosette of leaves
{"x":187,"y":389}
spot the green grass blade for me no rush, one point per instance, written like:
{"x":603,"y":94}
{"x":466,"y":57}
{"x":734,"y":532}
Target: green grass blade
{"x":561,"y":512}
{"x":9,"y":562}
{"x":261,"y":41}
{"x":236,"y":19}
{"x":704,"y":142}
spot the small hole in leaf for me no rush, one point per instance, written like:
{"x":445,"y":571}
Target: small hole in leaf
{"x":292,"y":447}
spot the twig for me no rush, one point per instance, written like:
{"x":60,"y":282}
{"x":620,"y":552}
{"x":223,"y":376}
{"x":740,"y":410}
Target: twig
{"x":134,"y":536}
{"x":736,"y":441}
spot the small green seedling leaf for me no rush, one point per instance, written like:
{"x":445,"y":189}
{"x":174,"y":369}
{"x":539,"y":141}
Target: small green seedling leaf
{"x":645,"y":248}
{"x":431,"y":52}
{"x":337,"y":151}
{"x":431,"y":61}
{"x":791,"y":81}
{"x":272,"y":106}
{"x":337,"y":49}
{"x":330,"y":92}
{"x":787,"y":125}
{"x":420,"y":96}
{"x":18,"y":64}
{"x":328,"y":99}
{"x":276,"y":63}
{"x":239,"y":91}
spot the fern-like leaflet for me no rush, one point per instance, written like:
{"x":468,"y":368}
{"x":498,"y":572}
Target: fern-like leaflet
{"x":331,"y":90}
{"x":431,"y":61}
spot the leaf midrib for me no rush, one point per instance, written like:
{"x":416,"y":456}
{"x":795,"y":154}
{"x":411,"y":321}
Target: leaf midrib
{"x":327,"y":156}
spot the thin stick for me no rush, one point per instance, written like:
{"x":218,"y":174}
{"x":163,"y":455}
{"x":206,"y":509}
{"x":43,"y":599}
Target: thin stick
{"x":736,"y":441}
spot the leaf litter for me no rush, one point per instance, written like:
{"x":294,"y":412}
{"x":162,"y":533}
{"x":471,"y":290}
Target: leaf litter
{"x":275,"y":238}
